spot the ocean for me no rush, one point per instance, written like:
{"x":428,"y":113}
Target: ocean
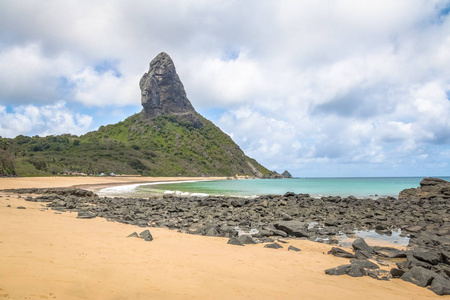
{"x":360,"y":187}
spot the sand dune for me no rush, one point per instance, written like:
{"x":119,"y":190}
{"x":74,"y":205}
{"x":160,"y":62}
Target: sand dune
{"x":50,"y":255}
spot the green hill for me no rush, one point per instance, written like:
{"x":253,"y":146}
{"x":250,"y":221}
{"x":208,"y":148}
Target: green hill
{"x":167,"y":145}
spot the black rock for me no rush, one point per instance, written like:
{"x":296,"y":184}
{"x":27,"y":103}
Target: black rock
{"x":289,"y":194}
{"x":21,"y":207}
{"x":340,"y":270}
{"x":396,"y":273}
{"x":273,"y":246}
{"x":212,"y":232}
{"x":338,"y":252}
{"x":356,"y":270}
{"x":360,"y":244}
{"x":419,"y":276}
{"x":389,"y":252}
{"x":292,"y":248}
{"x":146,"y":235}
{"x":431,"y":257}
{"x":286,"y":174}
{"x":85,"y":215}
{"x":246,"y":239}
{"x":440,"y":285}
{"x":294,"y":228}
{"x":134,"y":234}
{"x":363,"y":254}
{"x":364,"y":263}
{"x":234,"y":241}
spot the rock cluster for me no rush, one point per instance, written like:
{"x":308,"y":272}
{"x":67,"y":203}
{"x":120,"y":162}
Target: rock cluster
{"x":295,"y":215}
{"x":427,"y":262}
{"x":267,"y":218}
{"x":429,"y":188}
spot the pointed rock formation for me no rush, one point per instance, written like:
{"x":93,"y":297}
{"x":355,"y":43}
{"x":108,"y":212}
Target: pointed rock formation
{"x":162,"y":92}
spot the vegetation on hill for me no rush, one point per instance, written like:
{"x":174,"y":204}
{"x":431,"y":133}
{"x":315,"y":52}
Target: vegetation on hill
{"x":168,"y":145}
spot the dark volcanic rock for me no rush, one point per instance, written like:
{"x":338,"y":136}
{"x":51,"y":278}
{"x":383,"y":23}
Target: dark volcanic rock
{"x":389,"y":252}
{"x":396,"y":273}
{"x":134,"y":234}
{"x":234,"y":241}
{"x":246,"y":239}
{"x":340,"y":270}
{"x":292,"y":248}
{"x":419,"y":276}
{"x":85,"y":215}
{"x":360,"y":244}
{"x":430,"y":257}
{"x":440,"y":285}
{"x":162,"y":92}
{"x":364,"y":263}
{"x":273,"y":246}
{"x":341,"y":253}
{"x":146,"y":235}
{"x":429,"y":188}
{"x":21,"y":207}
{"x":286,"y":174}
{"x":293,"y":228}
{"x":356,"y":270}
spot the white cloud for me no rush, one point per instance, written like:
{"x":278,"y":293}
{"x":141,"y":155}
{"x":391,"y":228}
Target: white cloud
{"x":336,"y":84}
{"x":93,"y":88}
{"x":44,"y":120}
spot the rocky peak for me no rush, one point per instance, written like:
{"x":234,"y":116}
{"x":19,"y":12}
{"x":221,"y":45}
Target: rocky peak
{"x":286,"y":174}
{"x":162,"y":92}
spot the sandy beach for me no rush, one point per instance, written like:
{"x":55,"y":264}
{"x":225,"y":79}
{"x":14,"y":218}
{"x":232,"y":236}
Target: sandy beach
{"x":46,"y":254}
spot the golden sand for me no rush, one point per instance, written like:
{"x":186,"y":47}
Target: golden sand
{"x":45,"y":254}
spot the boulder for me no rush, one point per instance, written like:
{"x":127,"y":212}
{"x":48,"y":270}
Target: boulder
{"x":366,"y":264}
{"x":363,"y":254}
{"x":360,"y":244}
{"x":134,"y":234}
{"x":440,"y":285}
{"x":430,"y":257}
{"x":338,"y":252}
{"x":273,"y":246}
{"x":146,"y":235}
{"x":292,"y":248}
{"x":396,"y":273}
{"x":84,"y":214}
{"x":389,"y":252}
{"x":340,"y":270}
{"x":293,"y":228}
{"x":234,"y":241}
{"x":246,"y":239}
{"x":356,"y":270}
{"x":419,"y":276}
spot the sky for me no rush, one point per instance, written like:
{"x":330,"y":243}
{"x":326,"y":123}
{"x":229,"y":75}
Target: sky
{"x":319,"y":88}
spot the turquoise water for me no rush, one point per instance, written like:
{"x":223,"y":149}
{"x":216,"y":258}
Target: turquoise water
{"x":358,"y":187}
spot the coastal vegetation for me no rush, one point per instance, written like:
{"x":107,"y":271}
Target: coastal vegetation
{"x":168,"y":145}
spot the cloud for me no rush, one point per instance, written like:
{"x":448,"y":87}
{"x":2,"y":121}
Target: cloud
{"x":311,"y":86}
{"x":44,"y":120}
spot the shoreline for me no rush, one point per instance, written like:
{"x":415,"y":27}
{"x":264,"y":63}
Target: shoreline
{"x":39,"y":259}
{"x":45,"y":251}
{"x":87,"y":182}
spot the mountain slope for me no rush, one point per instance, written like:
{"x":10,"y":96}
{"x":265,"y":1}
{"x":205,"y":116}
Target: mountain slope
{"x":167,"y":138}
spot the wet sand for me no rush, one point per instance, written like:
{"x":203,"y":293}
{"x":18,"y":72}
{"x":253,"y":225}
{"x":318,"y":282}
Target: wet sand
{"x":50,"y":255}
